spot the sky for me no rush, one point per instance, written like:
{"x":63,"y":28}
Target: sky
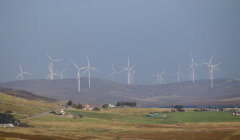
{"x":156,"y":35}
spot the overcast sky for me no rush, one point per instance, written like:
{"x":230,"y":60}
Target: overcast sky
{"x":155,"y":34}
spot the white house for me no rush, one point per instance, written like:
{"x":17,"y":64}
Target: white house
{"x":236,"y":112}
{"x":7,"y":125}
{"x":111,"y":105}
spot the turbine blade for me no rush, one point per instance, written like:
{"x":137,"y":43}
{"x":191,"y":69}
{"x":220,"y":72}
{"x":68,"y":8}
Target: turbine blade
{"x":57,"y":60}
{"x":75,"y":65}
{"x":88,"y":62}
{"x":18,"y":75}
{"x":20,"y":67}
{"x":86,"y":70}
{"x":49,"y":57}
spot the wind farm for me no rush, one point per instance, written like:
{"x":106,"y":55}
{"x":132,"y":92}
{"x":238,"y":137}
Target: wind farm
{"x":119,"y":70}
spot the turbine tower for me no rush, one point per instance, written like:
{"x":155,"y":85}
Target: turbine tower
{"x":192,"y":68}
{"x":51,"y":66}
{"x":211,"y":69}
{"x":113,"y":73}
{"x":88,"y":69}
{"x":22,"y":73}
{"x":178,"y":74}
{"x":130,"y":73}
{"x":78,"y":75}
{"x":160,"y":77}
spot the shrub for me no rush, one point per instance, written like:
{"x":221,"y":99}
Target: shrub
{"x":24,"y":125}
{"x":6,"y":118}
{"x":130,"y":104}
{"x":52,"y":112}
{"x":105,"y":106}
{"x":78,"y":116}
{"x":96,"y":109}
{"x":8,"y":111}
{"x":78,"y":106}
{"x":69,"y":103}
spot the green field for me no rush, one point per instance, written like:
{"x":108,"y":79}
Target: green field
{"x":117,"y":123}
{"x":174,"y":117}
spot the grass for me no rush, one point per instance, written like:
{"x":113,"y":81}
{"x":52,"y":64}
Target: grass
{"x":119,"y":123}
{"x":138,"y":115}
{"x":23,"y":107}
{"x":183,"y":117}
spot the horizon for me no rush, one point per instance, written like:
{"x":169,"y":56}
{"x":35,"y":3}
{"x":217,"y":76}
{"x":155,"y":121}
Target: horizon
{"x":153,"y":84}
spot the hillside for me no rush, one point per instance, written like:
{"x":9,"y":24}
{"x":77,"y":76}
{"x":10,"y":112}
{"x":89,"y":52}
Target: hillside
{"x":106,"y":91}
{"x":24,"y":94}
{"x":23,"y":107}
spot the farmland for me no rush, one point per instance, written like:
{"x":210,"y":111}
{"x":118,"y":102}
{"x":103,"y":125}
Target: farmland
{"x":121,"y":123}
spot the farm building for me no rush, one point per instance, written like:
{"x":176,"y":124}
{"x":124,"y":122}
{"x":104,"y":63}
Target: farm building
{"x":236,"y":112}
{"x":157,"y":114}
{"x":6,"y":125}
{"x":62,"y":111}
{"x":88,"y":107}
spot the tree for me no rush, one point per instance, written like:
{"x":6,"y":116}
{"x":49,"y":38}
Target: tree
{"x":179,"y":108}
{"x":105,"y":106}
{"x":6,"y":118}
{"x":69,"y":103}
{"x":96,"y":109}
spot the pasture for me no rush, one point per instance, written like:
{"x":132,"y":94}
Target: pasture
{"x":121,"y":123}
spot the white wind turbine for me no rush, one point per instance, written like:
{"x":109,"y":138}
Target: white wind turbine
{"x":61,"y":73}
{"x":211,"y":69}
{"x":88,"y":69}
{"x":22,"y":73}
{"x":51,"y":66}
{"x":130,"y":73}
{"x":160,"y":77}
{"x":178,"y":74}
{"x":51,"y":73}
{"x":113,"y":73}
{"x":78,"y":75}
{"x":192,"y":68}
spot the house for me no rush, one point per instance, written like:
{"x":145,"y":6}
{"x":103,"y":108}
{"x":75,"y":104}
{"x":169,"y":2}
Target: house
{"x":88,"y":107}
{"x":7,"y":125}
{"x":236,"y":112}
{"x":62,"y":111}
{"x":111,"y":105}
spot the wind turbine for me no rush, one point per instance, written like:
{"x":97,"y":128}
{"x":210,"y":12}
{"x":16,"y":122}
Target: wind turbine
{"x":113,"y":73}
{"x":78,"y":75}
{"x":211,"y":69}
{"x":130,"y":72}
{"x":178,"y":74}
{"x":160,"y":77}
{"x":61,"y":73}
{"x":51,"y":73}
{"x":192,"y":68}
{"x":22,"y":73}
{"x":51,"y":66}
{"x":88,"y":69}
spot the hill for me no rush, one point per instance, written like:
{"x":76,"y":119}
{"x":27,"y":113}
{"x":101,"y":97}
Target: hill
{"x":23,"y":107}
{"x":24,"y":94}
{"x":105,"y":91}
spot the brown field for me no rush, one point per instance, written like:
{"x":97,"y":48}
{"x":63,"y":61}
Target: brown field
{"x":196,"y":131}
{"x":119,"y":124}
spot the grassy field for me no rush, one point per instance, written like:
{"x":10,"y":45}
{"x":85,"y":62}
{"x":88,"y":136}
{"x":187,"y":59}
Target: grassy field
{"x":121,"y":123}
{"x":22,"y":107}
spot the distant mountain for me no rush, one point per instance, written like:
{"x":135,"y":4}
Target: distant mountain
{"x":24,"y":94}
{"x":105,"y":91}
